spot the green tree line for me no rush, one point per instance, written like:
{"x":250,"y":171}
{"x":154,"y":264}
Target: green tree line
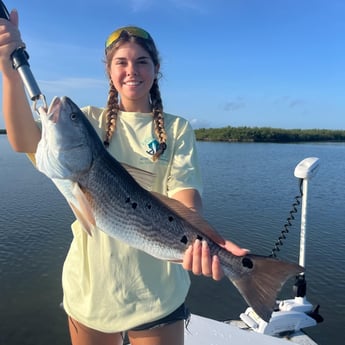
{"x":264,"y":134}
{"x":268,"y":134}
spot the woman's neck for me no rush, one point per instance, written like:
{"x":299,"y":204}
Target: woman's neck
{"x":137,"y":107}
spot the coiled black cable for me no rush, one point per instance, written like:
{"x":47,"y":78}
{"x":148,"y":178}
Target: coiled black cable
{"x":288,"y":223}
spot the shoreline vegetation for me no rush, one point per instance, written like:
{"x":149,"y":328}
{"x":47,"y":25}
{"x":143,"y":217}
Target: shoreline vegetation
{"x":268,"y":135}
{"x":265,"y":134}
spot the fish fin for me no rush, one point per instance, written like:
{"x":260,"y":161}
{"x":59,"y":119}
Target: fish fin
{"x":145,"y":180}
{"x":142,"y":177}
{"x":260,"y":284}
{"x":191,"y":217}
{"x":84,"y":224}
{"x":32,"y":158}
{"x":83,"y":211}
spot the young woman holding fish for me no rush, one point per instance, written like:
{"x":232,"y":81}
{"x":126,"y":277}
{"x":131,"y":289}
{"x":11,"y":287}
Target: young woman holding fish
{"x":109,"y":287}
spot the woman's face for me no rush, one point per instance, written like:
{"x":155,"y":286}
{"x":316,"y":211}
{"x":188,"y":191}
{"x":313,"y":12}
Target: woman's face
{"x":133,"y":72}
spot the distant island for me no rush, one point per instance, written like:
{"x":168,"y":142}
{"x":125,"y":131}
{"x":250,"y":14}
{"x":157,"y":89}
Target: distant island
{"x":264,"y":135}
{"x":268,"y":134}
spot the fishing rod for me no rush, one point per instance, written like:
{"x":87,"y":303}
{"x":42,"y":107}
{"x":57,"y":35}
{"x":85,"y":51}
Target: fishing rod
{"x":20,"y":62}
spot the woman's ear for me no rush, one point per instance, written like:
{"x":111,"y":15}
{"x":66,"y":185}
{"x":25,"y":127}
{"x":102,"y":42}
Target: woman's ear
{"x":108,"y":72}
{"x":157,"y":73}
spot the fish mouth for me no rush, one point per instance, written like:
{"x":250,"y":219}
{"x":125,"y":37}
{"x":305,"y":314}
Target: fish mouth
{"x":54,"y":110}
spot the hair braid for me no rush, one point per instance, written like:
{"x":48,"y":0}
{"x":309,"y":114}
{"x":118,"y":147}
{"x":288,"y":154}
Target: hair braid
{"x":158,"y":119}
{"x":111,"y":116}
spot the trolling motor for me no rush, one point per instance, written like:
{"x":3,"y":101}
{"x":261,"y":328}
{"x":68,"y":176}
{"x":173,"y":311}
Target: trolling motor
{"x":20,"y":62}
{"x":292,"y":314}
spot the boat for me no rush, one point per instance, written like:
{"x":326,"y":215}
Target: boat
{"x":290,"y":317}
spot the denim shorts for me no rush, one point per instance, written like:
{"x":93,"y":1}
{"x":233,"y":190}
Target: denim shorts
{"x":181,"y":313}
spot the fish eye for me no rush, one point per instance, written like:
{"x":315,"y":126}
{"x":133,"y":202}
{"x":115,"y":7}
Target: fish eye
{"x":73,"y":116}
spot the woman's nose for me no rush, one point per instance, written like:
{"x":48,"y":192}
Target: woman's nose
{"x":131,"y":70}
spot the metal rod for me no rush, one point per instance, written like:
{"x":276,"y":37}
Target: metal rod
{"x":303,"y":234}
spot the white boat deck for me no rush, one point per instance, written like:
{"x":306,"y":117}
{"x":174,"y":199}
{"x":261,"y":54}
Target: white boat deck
{"x":204,"y":331}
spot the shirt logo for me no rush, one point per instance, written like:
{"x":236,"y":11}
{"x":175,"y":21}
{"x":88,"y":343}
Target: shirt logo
{"x":153,"y":147}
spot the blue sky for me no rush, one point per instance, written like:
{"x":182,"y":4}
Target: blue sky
{"x":276,"y":63}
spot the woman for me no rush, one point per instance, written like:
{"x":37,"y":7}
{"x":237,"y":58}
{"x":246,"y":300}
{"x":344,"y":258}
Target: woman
{"x":109,"y":287}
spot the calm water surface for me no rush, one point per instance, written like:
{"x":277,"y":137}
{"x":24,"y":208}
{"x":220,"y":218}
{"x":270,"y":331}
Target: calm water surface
{"x":249,"y":191}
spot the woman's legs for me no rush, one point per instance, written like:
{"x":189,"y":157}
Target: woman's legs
{"x":168,"y":330}
{"x":82,"y":335}
{"x":171,"y":334}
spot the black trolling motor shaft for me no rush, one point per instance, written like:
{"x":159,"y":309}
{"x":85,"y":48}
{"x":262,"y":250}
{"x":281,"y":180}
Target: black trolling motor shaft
{"x":20,"y":62}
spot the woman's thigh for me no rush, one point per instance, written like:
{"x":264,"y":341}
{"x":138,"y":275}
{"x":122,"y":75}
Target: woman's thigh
{"x":171,"y":334}
{"x":82,"y":335}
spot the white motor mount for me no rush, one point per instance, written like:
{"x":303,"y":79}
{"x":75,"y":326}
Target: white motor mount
{"x":293,"y":314}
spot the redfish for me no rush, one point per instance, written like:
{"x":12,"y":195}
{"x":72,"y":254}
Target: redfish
{"x":104,"y":195}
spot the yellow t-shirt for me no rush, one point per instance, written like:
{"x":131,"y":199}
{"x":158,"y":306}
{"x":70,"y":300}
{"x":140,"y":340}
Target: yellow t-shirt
{"x":109,"y":286}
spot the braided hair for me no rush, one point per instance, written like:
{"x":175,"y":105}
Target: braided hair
{"x":112,"y":108}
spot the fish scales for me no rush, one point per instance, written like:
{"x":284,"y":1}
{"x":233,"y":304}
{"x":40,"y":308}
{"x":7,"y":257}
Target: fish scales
{"x":135,"y":216}
{"x":104,"y":196}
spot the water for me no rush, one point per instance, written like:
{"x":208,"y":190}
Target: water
{"x":249,"y":191}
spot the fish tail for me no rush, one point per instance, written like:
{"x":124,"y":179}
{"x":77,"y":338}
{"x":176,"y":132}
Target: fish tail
{"x":261,"y":280}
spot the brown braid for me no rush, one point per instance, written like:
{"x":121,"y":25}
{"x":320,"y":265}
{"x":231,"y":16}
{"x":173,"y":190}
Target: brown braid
{"x":111,"y":116}
{"x":158,"y":119}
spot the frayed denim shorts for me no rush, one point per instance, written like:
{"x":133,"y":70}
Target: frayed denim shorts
{"x":181,"y":313}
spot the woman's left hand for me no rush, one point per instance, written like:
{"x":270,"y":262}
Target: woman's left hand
{"x":198,"y":259}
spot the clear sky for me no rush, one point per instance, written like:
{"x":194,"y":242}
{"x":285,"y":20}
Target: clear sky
{"x":276,"y":63}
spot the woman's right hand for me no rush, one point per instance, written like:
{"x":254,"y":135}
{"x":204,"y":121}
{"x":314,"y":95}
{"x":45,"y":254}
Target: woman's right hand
{"x":10,"y":40}
{"x":22,"y":130}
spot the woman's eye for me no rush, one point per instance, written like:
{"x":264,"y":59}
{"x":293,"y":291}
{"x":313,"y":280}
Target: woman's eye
{"x":119,"y":62}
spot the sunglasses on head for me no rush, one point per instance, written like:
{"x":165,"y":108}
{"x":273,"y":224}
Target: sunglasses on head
{"x":130,"y":30}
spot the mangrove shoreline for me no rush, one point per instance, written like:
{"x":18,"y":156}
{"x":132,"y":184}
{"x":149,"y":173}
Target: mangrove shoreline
{"x":268,"y":134}
{"x":265,"y":134}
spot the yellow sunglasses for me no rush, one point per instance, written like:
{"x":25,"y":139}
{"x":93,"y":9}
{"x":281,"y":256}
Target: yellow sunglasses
{"x":130,"y":30}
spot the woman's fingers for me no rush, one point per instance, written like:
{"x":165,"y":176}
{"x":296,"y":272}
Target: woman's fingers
{"x":198,"y":260}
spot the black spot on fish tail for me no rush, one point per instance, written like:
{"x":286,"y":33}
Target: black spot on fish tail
{"x":248,"y":263}
{"x":128,"y":200}
{"x":134,"y":205}
{"x":184,"y":239}
{"x":148,"y":206}
{"x":171,"y":218}
{"x":198,"y":237}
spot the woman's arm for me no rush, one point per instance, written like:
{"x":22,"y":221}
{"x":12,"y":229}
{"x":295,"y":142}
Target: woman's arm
{"x":22,"y":131}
